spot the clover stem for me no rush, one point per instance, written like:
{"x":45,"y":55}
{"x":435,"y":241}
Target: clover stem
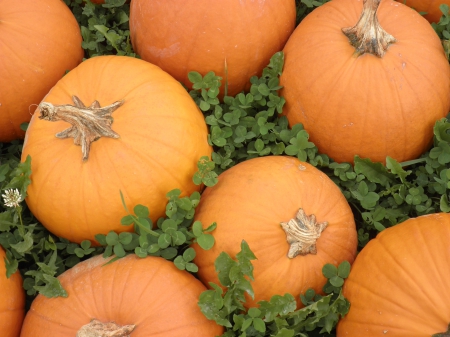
{"x":367,"y":36}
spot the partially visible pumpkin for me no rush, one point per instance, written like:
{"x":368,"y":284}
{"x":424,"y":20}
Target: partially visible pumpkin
{"x":233,"y":38}
{"x":161,"y":136}
{"x":12,"y":301}
{"x":371,"y":97}
{"x":39,"y":42}
{"x":430,"y":7}
{"x":147,"y":297}
{"x":399,"y":283}
{"x":255,"y":201}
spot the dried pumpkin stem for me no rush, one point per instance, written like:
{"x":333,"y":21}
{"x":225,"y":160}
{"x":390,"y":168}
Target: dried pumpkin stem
{"x":95,"y":328}
{"x":443,"y":334}
{"x":302,"y":234}
{"x":367,"y":36}
{"x":88,"y":123}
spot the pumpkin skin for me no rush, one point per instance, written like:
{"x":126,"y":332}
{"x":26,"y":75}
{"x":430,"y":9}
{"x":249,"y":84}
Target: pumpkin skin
{"x":367,"y":106}
{"x":12,"y":301}
{"x":201,"y":35}
{"x":398,"y":284}
{"x":431,"y":7}
{"x":39,"y":42}
{"x":150,"y":293}
{"x":162,"y":137}
{"x":249,"y":202}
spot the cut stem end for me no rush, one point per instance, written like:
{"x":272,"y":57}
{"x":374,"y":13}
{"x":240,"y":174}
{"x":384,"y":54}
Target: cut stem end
{"x":95,"y":328}
{"x":302,"y":234}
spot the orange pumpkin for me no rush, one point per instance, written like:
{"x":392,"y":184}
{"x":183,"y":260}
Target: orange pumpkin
{"x":39,"y":42}
{"x":144,"y":297}
{"x":398,"y":285}
{"x":12,"y":301}
{"x":233,"y":38}
{"x":258,"y":201}
{"x":149,"y":145}
{"x":431,"y":7}
{"x":353,"y":102}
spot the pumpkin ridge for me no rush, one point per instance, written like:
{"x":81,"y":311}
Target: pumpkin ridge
{"x":406,"y":311}
{"x":425,"y":248}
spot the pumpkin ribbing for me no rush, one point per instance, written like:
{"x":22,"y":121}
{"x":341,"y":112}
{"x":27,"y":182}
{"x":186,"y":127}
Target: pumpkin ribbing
{"x":360,"y":104}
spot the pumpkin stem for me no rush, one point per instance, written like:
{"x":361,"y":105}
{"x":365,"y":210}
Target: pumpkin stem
{"x":98,"y":329}
{"x":367,"y":36}
{"x":302,"y":234}
{"x":88,"y":123}
{"x":443,"y":334}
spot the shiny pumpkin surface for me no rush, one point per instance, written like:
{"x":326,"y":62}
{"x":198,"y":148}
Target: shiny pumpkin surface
{"x":250,"y":201}
{"x":39,"y":42}
{"x":150,"y":293}
{"x":12,"y":301}
{"x":367,"y":106}
{"x":233,"y":38}
{"x":398,"y":284}
{"x":162,"y":137}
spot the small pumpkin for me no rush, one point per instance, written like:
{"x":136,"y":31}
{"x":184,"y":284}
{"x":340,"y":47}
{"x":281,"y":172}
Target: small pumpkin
{"x":233,"y":38}
{"x":113,"y":124}
{"x":430,"y":7}
{"x":293,"y":217}
{"x":12,"y":301}
{"x":136,"y":297}
{"x":39,"y":42}
{"x":398,"y":284}
{"x":358,"y":97}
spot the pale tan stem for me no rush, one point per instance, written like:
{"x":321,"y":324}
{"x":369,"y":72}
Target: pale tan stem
{"x":302,"y":234}
{"x":88,"y":123}
{"x":367,"y":36}
{"x":95,"y":328}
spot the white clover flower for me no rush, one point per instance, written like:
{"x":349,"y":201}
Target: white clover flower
{"x":12,"y":198}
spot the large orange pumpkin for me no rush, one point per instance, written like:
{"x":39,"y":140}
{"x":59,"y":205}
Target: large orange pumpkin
{"x":259,"y":201}
{"x":430,"y":7}
{"x":12,"y":301}
{"x":144,"y":297}
{"x":354,"y":102}
{"x":233,"y":38}
{"x":39,"y":42}
{"x":153,"y":145}
{"x":399,"y":282}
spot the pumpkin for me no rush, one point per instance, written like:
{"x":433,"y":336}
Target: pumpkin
{"x":233,"y":38}
{"x":39,"y":42}
{"x":293,"y":217}
{"x":130,"y":296}
{"x":398,"y":284}
{"x":150,"y":137}
{"x":430,"y":7}
{"x":12,"y":301}
{"x":372,"y":100}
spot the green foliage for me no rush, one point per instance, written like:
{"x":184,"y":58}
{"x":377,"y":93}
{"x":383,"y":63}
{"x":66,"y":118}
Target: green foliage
{"x":304,"y":7}
{"x":278,"y":316}
{"x":104,"y":28}
{"x":249,"y":125}
{"x":442,"y":28}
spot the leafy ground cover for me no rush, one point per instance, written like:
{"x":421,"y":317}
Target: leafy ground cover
{"x":242,"y":127}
